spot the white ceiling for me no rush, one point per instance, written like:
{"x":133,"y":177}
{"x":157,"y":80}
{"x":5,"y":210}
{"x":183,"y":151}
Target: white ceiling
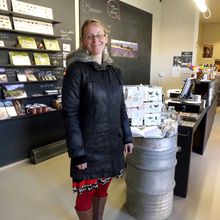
{"x":214,"y":6}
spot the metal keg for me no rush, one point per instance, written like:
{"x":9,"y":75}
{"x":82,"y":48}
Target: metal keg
{"x":150,"y":178}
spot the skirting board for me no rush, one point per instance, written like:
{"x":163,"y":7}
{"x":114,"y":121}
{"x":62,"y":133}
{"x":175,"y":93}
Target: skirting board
{"x":48,"y":151}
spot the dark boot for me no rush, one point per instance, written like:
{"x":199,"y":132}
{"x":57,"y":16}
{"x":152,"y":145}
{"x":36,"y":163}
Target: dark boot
{"x":85,"y":215}
{"x":98,"y":207}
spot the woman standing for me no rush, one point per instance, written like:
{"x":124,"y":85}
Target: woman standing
{"x":96,"y":122}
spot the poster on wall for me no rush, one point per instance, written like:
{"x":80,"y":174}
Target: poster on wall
{"x":186,"y":58}
{"x":207,"y":51}
{"x":176,"y":68}
{"x":124,"y":49}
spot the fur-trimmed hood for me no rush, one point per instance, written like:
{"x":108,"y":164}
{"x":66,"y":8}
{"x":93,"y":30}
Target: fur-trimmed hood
{"x":82,"y":55}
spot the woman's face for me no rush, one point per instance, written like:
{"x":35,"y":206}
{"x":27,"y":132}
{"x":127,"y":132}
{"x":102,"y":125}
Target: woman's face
{"x":94,"y":39}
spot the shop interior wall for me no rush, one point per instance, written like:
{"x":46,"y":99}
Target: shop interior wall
{"x":174,"y":29}
{"x":209,"y":35}
{"x":180,"y":22}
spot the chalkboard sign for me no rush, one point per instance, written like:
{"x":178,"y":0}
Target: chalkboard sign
{"x":130,"y":36}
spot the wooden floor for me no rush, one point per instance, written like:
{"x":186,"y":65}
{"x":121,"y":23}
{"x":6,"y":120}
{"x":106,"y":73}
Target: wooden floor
{"x":43,"y":191}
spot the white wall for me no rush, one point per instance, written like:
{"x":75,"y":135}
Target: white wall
{"x":180,"y":21}
{"x":209,"y":35}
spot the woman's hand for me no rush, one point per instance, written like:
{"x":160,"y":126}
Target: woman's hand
{"x":128,"y":149}
{"x":82,"y":166}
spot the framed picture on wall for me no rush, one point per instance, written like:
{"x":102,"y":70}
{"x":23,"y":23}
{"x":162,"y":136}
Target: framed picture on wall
{"x":207,"y":51}
{"x":217,"y":63}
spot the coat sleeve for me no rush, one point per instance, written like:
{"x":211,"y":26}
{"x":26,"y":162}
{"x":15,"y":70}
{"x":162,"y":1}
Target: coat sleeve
{"x":127,"y":135}
{"x":71,"y":114}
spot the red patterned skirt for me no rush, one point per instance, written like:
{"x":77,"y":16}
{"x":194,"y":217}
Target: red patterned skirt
{"x":90,"y":184}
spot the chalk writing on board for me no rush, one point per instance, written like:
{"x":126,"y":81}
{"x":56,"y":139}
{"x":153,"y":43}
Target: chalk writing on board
{"x":3,"y":36}
{"x":94,"y":10}
{"x":67,"y":35}
{"x":86,"y":7}
{"x":48,"y":85}
{"x":113,"y":9}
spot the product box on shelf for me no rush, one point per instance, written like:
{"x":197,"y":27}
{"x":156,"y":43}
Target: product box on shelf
{"x":5,"y":22}
{"x":27,"y":42}
{"x":19,"y":58}
{"x":3,"y":111}
{"x":3,"y":5}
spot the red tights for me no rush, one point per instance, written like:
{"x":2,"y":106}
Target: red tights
{"x":84,"y":200}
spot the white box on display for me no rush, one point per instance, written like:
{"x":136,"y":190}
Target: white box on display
{"x":3,"y":5}
{"x":153,"y":93}
{"x":5,"y":22}
{"x":137,"y":117}
{"x":134,"y":96}
{"x":143,"y":104}
{"x":33,"y":26}
{"x":152,"y":119}
{"x":31,"y":9}
{"x":152,"y":107}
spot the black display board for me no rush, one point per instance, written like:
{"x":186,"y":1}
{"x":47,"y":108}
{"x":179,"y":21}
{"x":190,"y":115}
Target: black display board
{"x":63,"y":11}
{"x":125,"y":23}
{"x":33,"y":131}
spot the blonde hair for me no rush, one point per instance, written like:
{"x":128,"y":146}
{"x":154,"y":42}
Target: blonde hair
{"x":93,"y":21}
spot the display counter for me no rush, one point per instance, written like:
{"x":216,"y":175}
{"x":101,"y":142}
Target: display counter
{"x":190,"y":136}
{"x":193,"y":136}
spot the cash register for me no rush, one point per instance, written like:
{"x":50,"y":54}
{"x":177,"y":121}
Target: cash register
{"x":186,"y":102}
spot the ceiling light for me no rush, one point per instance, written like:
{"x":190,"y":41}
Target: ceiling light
{"x":203,"y":8}
{"x":201,"y":5}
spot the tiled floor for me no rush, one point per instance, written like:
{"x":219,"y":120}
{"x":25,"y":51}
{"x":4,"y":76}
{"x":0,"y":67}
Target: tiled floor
{"x":43,"y":191}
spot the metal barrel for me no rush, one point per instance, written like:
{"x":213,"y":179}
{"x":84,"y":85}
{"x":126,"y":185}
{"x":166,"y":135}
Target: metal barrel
{"x":150,"y":178}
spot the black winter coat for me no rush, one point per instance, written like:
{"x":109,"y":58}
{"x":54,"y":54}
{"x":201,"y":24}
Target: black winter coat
{"x":95,"y":118}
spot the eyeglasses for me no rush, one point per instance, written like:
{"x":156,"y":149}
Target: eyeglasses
{"x":92,"y":36}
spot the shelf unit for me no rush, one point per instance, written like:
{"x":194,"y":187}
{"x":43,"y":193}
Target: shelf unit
{"x":29,"y":33}
{"x":28,"y":49}
{"x":29,"y":131}
{"x":10,"y":41}
{"x":15,"y":14}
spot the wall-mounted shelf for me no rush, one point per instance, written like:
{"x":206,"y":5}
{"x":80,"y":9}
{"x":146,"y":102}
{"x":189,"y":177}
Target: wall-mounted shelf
{"x":28,"y":82}
{"x":29,"y":33}
{"x":15,"y":14}
{"x":28,"y":49}
{"x":31,"y":66}
{"x":29,"y":116}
